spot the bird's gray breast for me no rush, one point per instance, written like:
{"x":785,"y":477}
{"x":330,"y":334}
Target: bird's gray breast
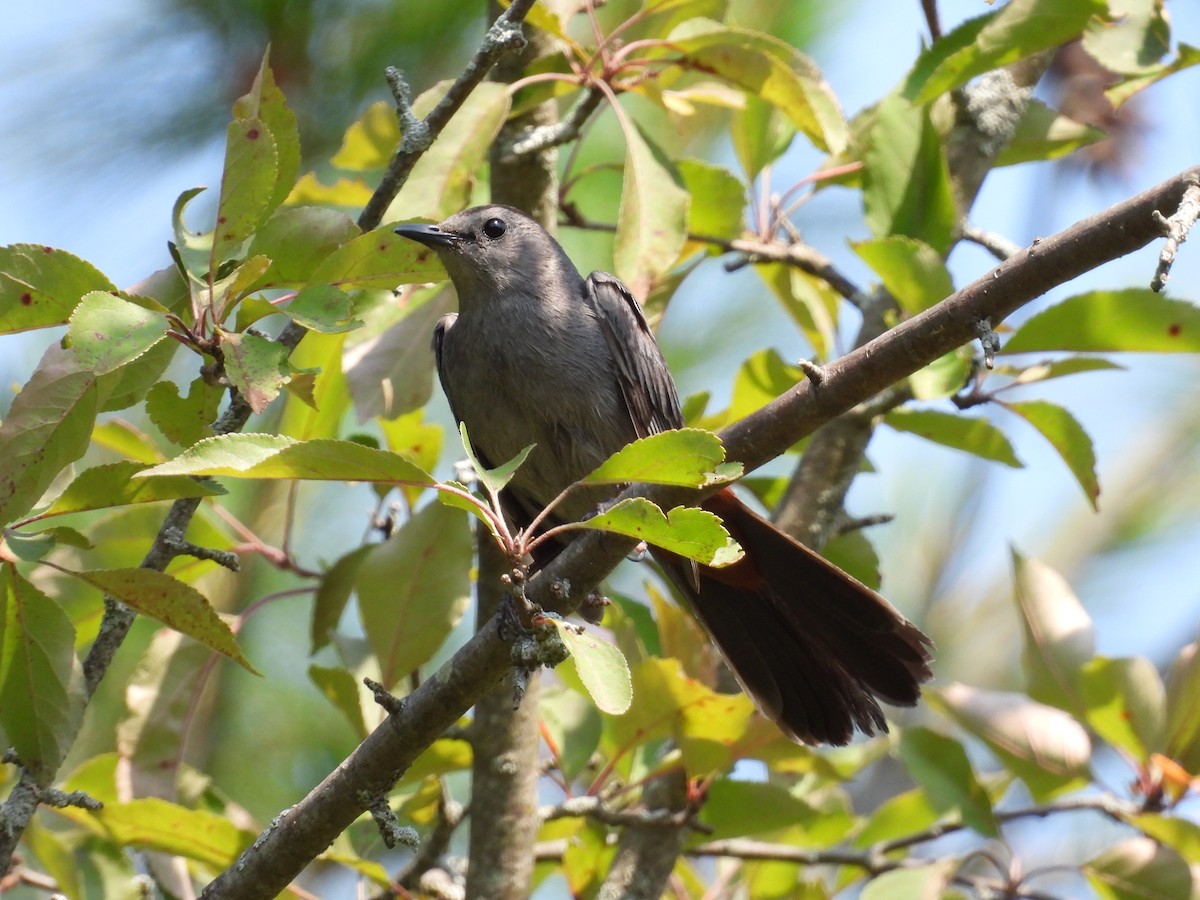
{"x":523,"y":375}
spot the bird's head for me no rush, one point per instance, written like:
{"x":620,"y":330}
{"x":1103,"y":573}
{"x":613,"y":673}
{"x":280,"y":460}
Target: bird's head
{"x":492,"y":251}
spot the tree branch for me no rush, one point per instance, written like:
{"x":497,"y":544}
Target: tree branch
{"x":303,"y":831}
{"x":504,"y":35}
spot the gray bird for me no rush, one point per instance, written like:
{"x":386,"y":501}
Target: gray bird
{"x":537,"y":354}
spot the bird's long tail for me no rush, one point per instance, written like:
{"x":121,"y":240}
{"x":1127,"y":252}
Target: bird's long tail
{"x":816,"y":649}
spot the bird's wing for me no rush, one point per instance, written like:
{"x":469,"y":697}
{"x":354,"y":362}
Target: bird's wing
{"x":444,"y":324}
{"x":642,"y":373}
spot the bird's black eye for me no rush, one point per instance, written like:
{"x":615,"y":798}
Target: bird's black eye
{"x":494,"y":228}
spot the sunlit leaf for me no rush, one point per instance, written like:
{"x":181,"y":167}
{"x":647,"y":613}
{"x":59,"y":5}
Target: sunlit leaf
{"x":761,"y":133}
{"x":940,"y":765}
{"x":1043,"y":746}
{"x":652,"y":219}
{"x":278,"y":456}
{"x":971,"y":434}
{"x":378,"y":259}
{"x":1068,"y":437}
{"x":1136,"y":320}
{"x":718,"y":199}
{"x":688,"y":456}
{"x":324,"y":308}
{"x":1059,"y":637}
{"x":184,"y":420}
{"x":1186,"y":57}
{"x":906,"y":182}
{"x":154,"y":824}
{"x":1133,"y":41}
{"x":912,"y":271}
{"x":769,"y":68}
{"x":39,"y":286}
{"x":41,"y":680}
{"x":1014,"y":31}
{"x":266,"y":102}
{"x":920,"y":881}
{"x":108,"y":331}
{"x":170,"y":601}
{"x":1181,"y":739}
{"x":601,"y":666}
{"x":1125,"y":703}
{"x":47,"y":428}
{"x":734,"y":808}
{"x":1044,"y":134}
{"x":341,"y":688}
{"x":247,"y":185}
{"x":257,"y":366}
{"x":1139,"y":869}
{"x":297,"y":239}
{"x":692,"y":533}
{"x":113,"y":484}
{"x":413,"y":588}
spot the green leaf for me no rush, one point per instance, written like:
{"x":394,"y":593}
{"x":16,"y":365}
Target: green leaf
{"x":39,"y":286}
{"x":761,"y":133}
{"x":601,"y":666}
{"x":379,"y":260}
{"x":735,"y":808}
{"x":968,"y":433}
{"x":333,"y":593}
{"x":47,"y":428}
{"x":341,"y":688}
{"x":940,"y":765}
{"x":718,"y":199}
{"x":442,"y":180}
{"x":154,"y":824}
{"x":906,"y":182}
{"x":769,"y":68}
{"x":324,"y":308}
{"x":704,"y":724}
{"x":1181,"y":739}
{"x":944,"y":377}
{"x":278,"y":456}
{"x":1125,"y":704}
{"x":297,"y":239}
{"x":101,"y":487}
{"x":108,"y":331}
{"x":810,"y":301}
{"x":1136,"y":320}
{"x":1187,"y":57}
{"x":129,"y":385}
{"x":690,"y":457}
{"x":912,"y":271}
{"x":495,"y":480}
{"x":1067,"y":436}
{"x":370,"y":141}
{"x":161,"y":708}
{"x":1059,"y":637}
{"x":1139,"y":869}
{"x":41,"y":681}
{"x":184,"y":420}
{"x":391,"y":373}
{"x":1016,"y":30}
{"x":692,"y":533}
{"x":257,"y":366}
{"x":1044,"y":134}
{"x":1134,"y":41}
{"x":571,"y":724}
{"x":761,"y":378}
{"x":898,"y":816}
{"x":652,"y":219}
{"x":247,"y":186}
{"x":170,"y":601}
{"x":920,"y":881}
{"x":265,"y":102}
{"x":1058,"y":368}
{"x":1043,"y":746}
{"x":412,"y":437}
{"x":413,"y":588}
{"x":191,"y":249}
{"x":1181,"y":835}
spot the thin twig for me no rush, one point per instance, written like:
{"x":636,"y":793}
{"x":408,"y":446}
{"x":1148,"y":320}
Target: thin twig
{"x":1176,"y":229}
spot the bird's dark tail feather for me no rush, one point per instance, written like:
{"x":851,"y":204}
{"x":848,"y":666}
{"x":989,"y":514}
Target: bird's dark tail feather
{"x":815,"y":648}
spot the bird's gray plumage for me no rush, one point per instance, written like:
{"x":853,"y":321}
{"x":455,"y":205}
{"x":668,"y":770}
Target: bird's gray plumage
{"x":537,"y":354}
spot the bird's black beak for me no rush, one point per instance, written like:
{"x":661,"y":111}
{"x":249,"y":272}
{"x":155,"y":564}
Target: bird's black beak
{"x":429,"y":235}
